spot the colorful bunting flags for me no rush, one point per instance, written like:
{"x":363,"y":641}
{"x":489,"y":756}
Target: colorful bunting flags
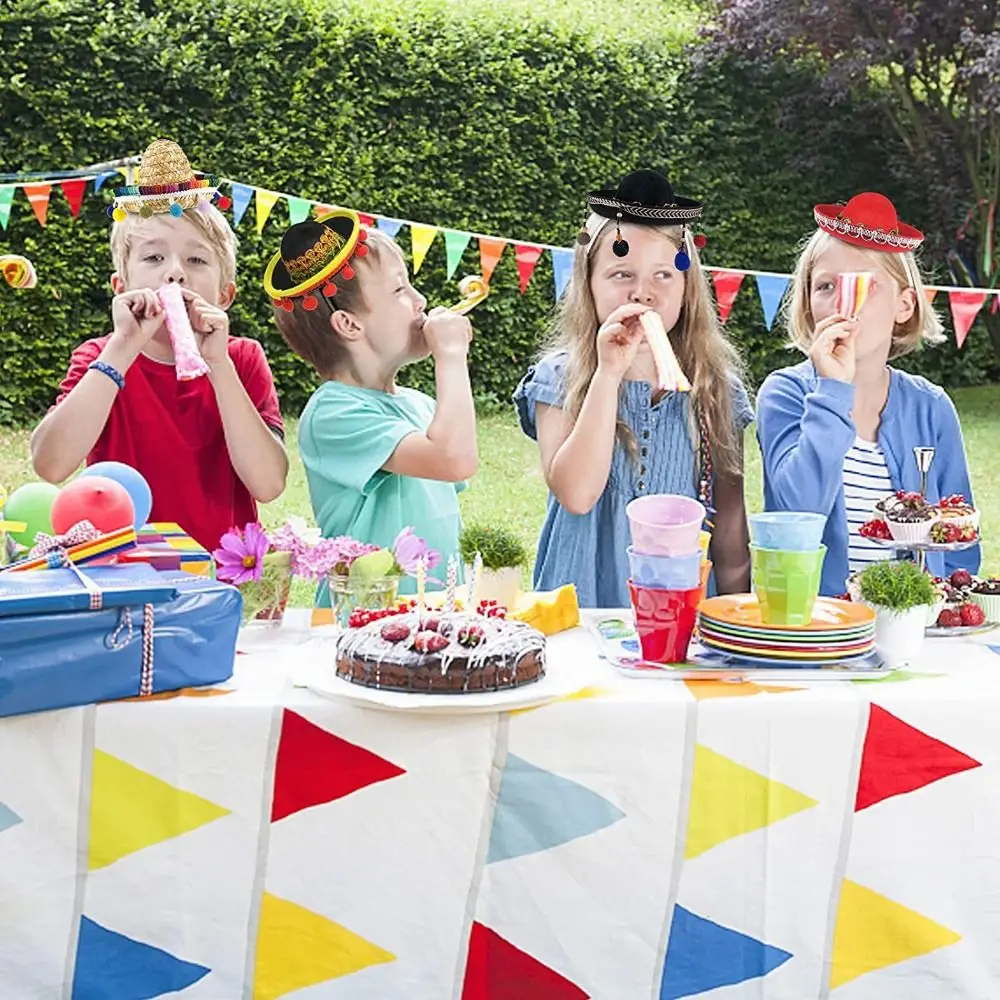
{"x":490,"y":251}
{"x":562,"y":268}
{"x":527,"y":256}
{"x":454,"y":246}
{"x":771,"y":289}
{"x":242,"y":193}
{"x":266,"y":200}
{"x":421,"y":238}
{"x":964,"y":308}
{"x":389,"y":226}
{"x":727,"y":284}
{"x":964,"y":303}
{"x":73,"y":190}
{"x":38,"y":196}
{"x":6,"y":200}
{"x":298,"y":210}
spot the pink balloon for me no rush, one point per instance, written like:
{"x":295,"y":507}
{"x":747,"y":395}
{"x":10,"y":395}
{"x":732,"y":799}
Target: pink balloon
{"x":103,"y":502}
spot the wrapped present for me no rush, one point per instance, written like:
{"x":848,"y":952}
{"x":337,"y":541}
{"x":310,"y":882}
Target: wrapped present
{"x":163,"y":536}
{"x":185,"y":636}
{"x":82,"y":545}
{"x":72,"y":590}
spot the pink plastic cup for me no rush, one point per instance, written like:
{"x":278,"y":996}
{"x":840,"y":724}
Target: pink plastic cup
{"x":665,"y":524}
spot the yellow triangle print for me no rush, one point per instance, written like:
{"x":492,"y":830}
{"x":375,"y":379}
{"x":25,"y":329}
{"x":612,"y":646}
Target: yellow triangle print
{"x":297,"y":948}
{"x":585,"y":693}
{"x":873,"y":932}
{"x":729,"y":800}
{"x":131,"y":809}
{"x":706,"y":689}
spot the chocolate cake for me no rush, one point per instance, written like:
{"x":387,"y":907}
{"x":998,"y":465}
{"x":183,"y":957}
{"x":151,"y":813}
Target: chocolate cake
{"x":444,"y":653}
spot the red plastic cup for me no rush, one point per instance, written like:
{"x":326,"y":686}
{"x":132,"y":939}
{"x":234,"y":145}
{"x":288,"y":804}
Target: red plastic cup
{"x":664,"y":620}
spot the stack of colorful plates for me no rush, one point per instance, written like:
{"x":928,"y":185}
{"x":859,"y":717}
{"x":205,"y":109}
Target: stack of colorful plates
{"x":839,"y":630}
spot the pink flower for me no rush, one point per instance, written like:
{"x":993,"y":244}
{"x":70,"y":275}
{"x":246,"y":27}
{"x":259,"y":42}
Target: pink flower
{"x":240,"y":556}
{"x":409,"y":550}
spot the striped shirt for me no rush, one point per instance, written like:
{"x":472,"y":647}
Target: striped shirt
{"x":866,"y":481}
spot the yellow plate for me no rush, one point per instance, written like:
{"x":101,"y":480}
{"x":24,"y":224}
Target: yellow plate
{"x":828,"y":612}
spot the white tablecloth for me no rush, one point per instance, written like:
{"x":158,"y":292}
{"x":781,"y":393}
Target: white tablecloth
{"x":641,"y":839}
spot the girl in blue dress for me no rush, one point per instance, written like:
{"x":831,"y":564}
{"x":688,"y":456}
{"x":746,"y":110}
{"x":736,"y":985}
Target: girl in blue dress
{"x":606,"y":434}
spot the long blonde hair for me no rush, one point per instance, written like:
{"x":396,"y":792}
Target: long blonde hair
{"x":706,"y":356}
{"x":922,"y":327}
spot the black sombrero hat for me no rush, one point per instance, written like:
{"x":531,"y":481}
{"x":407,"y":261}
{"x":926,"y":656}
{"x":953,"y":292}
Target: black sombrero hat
{"x":645,"y":198}
{"x":312,"y":255}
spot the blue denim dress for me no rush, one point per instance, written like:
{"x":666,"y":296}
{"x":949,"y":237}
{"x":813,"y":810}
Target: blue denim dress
{"x":589,"y":550}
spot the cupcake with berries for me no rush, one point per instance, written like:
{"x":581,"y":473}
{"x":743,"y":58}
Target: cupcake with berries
{"x":986,"y":594}
{"x":909,"y":517}
{"x":957,"y":517}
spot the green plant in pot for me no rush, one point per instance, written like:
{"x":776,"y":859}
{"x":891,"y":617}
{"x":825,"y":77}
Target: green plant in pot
{"x":899,"y":593}
{"x":503,"y":554}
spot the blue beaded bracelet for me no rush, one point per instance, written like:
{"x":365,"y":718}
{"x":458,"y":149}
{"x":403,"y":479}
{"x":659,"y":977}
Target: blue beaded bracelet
{"x":113,"y":373}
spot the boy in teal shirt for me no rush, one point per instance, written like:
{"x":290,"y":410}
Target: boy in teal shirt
{"x":378,"y":457}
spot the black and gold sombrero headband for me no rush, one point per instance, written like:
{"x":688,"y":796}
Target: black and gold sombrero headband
{"x":312,"y":256}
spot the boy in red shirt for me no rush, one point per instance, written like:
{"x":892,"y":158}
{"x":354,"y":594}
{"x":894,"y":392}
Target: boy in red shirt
{"x":210,"y":448}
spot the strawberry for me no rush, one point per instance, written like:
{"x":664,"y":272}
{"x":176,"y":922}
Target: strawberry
{"x":949,"y":618}
{"x":470,"y":635}
{"x":972,"y":614}
{"x":429,"y":642}
{"x":961,"y":578}
{"x":395,"y":632}
{"x":429,"y":625}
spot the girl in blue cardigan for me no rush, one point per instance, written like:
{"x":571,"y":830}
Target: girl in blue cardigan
{"x":837,"y":431}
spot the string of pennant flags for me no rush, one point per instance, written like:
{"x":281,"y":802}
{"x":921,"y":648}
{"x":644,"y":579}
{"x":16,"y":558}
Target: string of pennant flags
{"x":964,"y":303}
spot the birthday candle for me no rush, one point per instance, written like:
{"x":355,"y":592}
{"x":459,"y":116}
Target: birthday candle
{"x":421,"y":582}
{"x":853,"y":289}
{"x":449,"y":601}
{"x":477,"y":569}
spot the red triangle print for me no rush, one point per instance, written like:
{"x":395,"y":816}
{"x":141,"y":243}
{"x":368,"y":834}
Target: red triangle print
{"x":73,"y":190}
{"x":315,"y":767}
{"x":898,"y":759}
{"x":496,"y":970}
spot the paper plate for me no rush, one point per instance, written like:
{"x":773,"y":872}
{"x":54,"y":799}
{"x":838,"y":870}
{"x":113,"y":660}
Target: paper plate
{"x":829,"y":614}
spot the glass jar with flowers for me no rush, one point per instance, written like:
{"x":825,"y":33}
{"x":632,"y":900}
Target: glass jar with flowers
{"x":249,"y":560}
{"x":367,"y":576}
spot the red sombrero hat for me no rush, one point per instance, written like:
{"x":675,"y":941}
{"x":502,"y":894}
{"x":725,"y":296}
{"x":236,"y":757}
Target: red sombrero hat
{"x":868,"y":220}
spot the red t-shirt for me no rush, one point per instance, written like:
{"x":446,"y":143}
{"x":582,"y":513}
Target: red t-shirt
{"x":171,"y":432}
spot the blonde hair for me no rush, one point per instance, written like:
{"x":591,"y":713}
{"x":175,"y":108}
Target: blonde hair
{"x":705,"y":355}
{"x":209,"y":222}
{"x":309,"y":333}
{"x":923,"y":326}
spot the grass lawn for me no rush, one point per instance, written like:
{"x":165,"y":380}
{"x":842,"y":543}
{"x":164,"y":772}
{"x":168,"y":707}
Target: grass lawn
{"x":509,"y":488}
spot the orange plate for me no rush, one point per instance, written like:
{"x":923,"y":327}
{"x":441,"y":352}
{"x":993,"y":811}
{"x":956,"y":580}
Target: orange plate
{"x":829,"y":612}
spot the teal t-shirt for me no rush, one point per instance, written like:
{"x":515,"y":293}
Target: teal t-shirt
{"x":346,"y":435}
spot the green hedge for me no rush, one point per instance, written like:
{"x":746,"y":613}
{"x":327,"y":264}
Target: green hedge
{"x":477,"y":125}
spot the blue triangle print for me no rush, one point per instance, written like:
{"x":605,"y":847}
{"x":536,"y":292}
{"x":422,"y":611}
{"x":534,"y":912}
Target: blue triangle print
{"x":702,"y":956}
{"x":110,"y":966}
{"x":8,"y":818}
{"x":537,"y":810}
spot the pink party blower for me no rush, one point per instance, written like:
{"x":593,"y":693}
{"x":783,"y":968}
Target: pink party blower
{"x":853,"y":289}
{"x":188,"y":361}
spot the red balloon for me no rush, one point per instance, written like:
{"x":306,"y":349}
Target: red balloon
{"x":103,"y":502}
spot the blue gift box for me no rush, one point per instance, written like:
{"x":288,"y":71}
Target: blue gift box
{"x":60,"y":658}
{"x":47,"y":590}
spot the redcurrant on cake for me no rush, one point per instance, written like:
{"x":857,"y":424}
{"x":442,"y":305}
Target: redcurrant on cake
{"x":440,"y":652}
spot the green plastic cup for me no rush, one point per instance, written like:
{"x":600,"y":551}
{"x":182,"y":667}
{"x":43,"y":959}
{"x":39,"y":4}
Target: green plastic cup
{"x":786,"y":584}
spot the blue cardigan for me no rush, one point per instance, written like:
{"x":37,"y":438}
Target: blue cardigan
{"x":805,"y":430}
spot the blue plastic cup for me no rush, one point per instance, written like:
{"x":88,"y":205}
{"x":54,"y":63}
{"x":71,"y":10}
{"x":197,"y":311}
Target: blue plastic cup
{"x":787,"y":530}
{"x":665,"y":572}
